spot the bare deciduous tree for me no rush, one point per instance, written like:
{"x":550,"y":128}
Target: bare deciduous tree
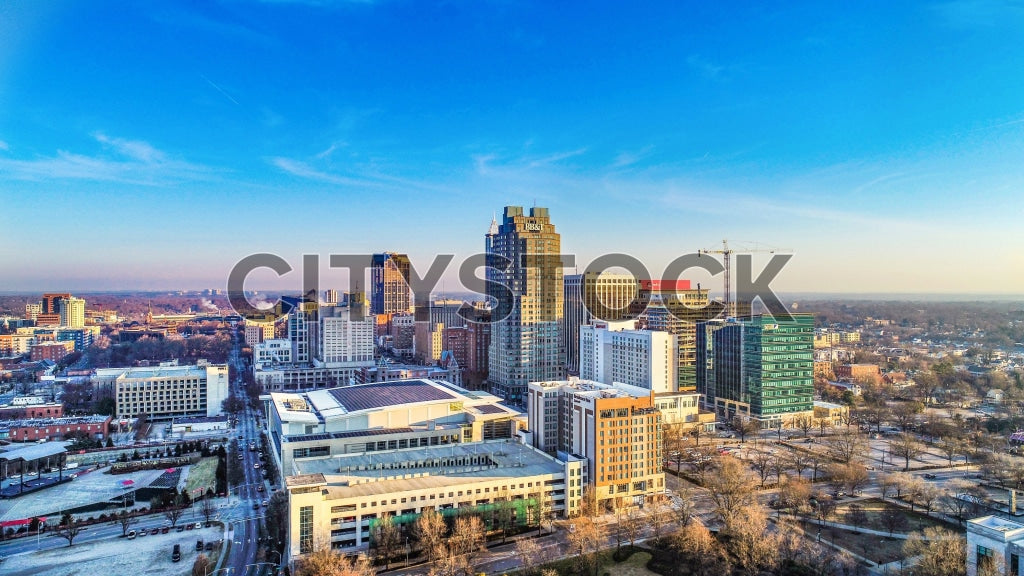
{"x":856,"y":517}
{"x":528,"y":553}
{"x":69,"y":530}
{"x":731,"y":489}
{"x":586,"y":538}
{"x":207,"y":508}
{"x":893,"y":519}
{"x":633,"y":525}
{"x":905,"y":446}
{"x":385,"y":538}
{"x":694,"y":546}
{"x":805,"y":424}
{"x":799,"y":461}
{"x":755,"y":548}
{"x":429,"y":531}
{"x":794,"y":494}
{"x":927,"y":496}
{"x":126,"y":520}
{"x":174,"y":512}
{"x":845,"y":444}
{"x":656,"y":516}
{"x":201,"y":567}
{"x":939,"y":552}
{"x":743,"y":426}
{"x":327,"y":562}
{"x":763,"y":463}
{"x":467,"y":537}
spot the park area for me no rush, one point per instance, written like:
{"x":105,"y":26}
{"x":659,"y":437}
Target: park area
{"x":632,"y":562}
{"x":878,"y":515}
{"x":202,"y":476}
{"x":635,"y":565}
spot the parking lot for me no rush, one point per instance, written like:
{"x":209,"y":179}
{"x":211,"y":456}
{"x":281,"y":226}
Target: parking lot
{"x":146,"y":555}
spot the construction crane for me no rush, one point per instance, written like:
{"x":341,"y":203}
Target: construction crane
{"x":727,"y":253}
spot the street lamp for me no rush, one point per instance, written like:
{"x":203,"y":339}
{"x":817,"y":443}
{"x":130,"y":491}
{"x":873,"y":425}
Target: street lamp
{"x":278,"y":552}
{"x":407,"y":551}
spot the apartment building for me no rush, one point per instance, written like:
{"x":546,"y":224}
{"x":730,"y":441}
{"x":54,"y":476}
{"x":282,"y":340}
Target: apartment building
{"x":614,"y":352}
{"x":616,"y":428}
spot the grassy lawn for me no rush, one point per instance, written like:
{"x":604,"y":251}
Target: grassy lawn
{"x":635,"y":565}
{"x":873,"y":510}
{"x":202,"y":474}
{"x":878,"y":549}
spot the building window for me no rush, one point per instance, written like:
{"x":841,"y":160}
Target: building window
{"x":305,"y":529}
{"x":984,"y":557}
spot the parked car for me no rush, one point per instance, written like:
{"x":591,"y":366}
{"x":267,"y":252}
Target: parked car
{"x":209,"y":546}
{"x":199,"y":545}
{"x":131,"y":534}
{"x":165,"y":529}
{"x":930,"y":476}
{"x":154,"y":531}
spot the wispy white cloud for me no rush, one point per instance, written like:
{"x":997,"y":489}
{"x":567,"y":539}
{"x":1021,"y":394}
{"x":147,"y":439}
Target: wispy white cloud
{"x":357,"y":178}
{"x":133,"y":161}
{"x":556,"y":157}
{"x":706,"y":68}
{"x":304,"y":170}
{"x":134,"y":149}
{"x":4,"y":146}
{"x":326,"y":153}
{"x":625,"y":159}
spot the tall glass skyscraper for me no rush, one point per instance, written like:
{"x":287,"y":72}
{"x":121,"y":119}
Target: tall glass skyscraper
{"x":390,"y":292}
{"x":757,"y":366}
{"x":526,"y":339}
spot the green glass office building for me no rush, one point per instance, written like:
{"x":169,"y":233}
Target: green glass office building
{"x":757,"y":366}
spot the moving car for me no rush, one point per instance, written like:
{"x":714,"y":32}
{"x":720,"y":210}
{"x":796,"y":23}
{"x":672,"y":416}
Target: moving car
{"x":176,"y":554}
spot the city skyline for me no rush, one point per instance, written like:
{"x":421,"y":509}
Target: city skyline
{"x":152,"y":148}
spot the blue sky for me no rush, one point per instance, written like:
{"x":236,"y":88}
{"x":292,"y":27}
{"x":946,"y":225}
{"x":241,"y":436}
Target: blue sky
{"x":153,"y":145}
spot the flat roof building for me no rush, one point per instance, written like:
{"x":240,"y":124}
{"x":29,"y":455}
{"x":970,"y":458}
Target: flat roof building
{"x":167,"y":391}
{"x":615,"y":352}
{"x":759,"y":367}
{"x":994,"y":543}
{"x":339,"y":499}
{"x":382,"y":416}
